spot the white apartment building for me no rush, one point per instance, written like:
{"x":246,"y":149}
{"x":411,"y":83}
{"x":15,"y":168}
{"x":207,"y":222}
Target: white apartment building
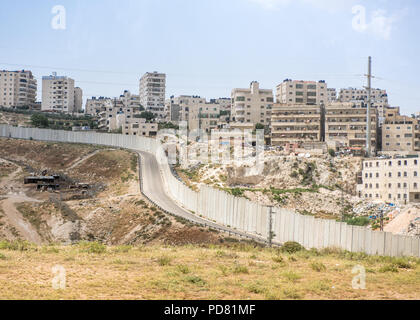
{"x":152,"y":93}
{"x":78,"y":99}
{"x":378,"y":96}
{"x":95,"y":105}
{"x":332,"y":94}
{"x":179,"y":108}
{"x":113,"y":117}
{"x":391,"y":180}
{"x":399,"y":134}
{"x":252,"y":105}
{"x":17,"y":89}
{"x":130,"y":100}
{"x":140,"y":127}
{"x":58,"y":94}
{"x":302,"y":92}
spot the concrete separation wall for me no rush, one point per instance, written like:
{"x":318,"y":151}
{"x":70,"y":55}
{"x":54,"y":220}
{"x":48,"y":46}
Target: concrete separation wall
{"x":240,"y":213}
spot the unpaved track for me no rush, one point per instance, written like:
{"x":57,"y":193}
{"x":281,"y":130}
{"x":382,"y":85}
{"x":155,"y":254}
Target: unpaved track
{"x":13,"y":216}
{"x":88,"y":156}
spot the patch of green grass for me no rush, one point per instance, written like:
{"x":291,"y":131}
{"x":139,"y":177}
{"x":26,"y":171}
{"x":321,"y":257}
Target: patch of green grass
{"x":18,"y":245}
{"x":238,"y":269}
{"x":196,"y":280}
{"x":164,"y":261}
{"x":318,"y":267}
{"x":92,"y":247}
{"x":388,"y":268}
{"x":291,"y":276}
{"x":183,"y":269}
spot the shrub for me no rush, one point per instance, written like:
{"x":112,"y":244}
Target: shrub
{"x":291,"y":276}
{"x":240,"y":269}
{"x":2,"y":256}
{"x":389,"y":268}
{"x":18,"y":245}
{"x":195,"y":280}
{"x":318,"y":267}
{"x":183,"y":269}
{"x":92,"y":247}
{"x":292,"y":247}
{"x":122,"y":249}
{"x":403,"y":263}
{"x":278,"y":259}
{"x":164,"y":261}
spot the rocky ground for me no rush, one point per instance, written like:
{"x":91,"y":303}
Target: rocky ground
{"x":112,"y":210}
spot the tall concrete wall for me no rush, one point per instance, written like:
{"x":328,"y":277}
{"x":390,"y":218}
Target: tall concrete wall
{"x":240,"y":213}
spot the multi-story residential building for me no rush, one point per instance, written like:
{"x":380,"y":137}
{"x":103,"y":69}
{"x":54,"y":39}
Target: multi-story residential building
{"x":179,"y":108}
{"x":302,"y":92}
{"x":346,"y":126}
{"x":399,"y":134}
{"x":252,"y":105}
{"x":378,"y":96}
{"x":130,"y":100}
{"x":332,"y":95}
{"x":58,"y":94}
{"x":17,"y":89}
{"x":78,"y":99}
{"x":95,"y":105}
{"x":152,"y":93}
{"x":225,"y":109}
{"x":140,"y":127}
{"x":115,"y":115}
{"x":205,"y":117}
{"x":391,"y":180}
{"x":291,"y":123}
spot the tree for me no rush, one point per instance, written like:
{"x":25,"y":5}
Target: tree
{"x":39,"y":120}
{"x":331,"y":152}
{"x":147,"y":115}
{"x":259,"y":126}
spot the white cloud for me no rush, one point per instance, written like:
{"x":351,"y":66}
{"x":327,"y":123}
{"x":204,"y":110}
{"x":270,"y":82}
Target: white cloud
{"x":380,"y":24}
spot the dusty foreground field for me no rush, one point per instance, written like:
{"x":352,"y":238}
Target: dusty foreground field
{"x":234,"y":271}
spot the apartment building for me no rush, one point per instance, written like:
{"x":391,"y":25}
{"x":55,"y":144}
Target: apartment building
{"x":17,"y":89}
{"x":346,"y":126}
{"x":205,"y":117}
{"x":302,"y":92}
{"x":152,"y":93}
{"x":378,"y":96}
{"x":252,"y":105}
{"x":296,"y":124}
{"x":115,"y":115}
{"x":95,"y":105}
{"x":140,"y":127}
{"x":130,"y":100}
{"x":391,"y":180}
{"x":179,"y":108}
{"x":78,"y":99}
{"x":399,"y":133}
{"x":332,"y":94}
{"x":58,"y":94}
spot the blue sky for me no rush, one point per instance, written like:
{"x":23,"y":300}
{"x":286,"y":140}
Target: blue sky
{"x":208,"y":47}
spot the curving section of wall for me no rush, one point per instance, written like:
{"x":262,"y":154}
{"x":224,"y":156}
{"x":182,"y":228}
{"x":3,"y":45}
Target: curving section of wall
{"x":239,"y":213}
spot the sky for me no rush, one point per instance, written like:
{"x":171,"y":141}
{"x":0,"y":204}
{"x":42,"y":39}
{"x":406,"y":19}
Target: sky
{"x":209,"y":47}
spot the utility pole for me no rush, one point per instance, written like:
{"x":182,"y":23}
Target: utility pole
{"x":369,"y":107}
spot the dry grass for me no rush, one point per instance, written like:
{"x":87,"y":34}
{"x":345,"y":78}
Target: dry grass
{"x":195,"y":272}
